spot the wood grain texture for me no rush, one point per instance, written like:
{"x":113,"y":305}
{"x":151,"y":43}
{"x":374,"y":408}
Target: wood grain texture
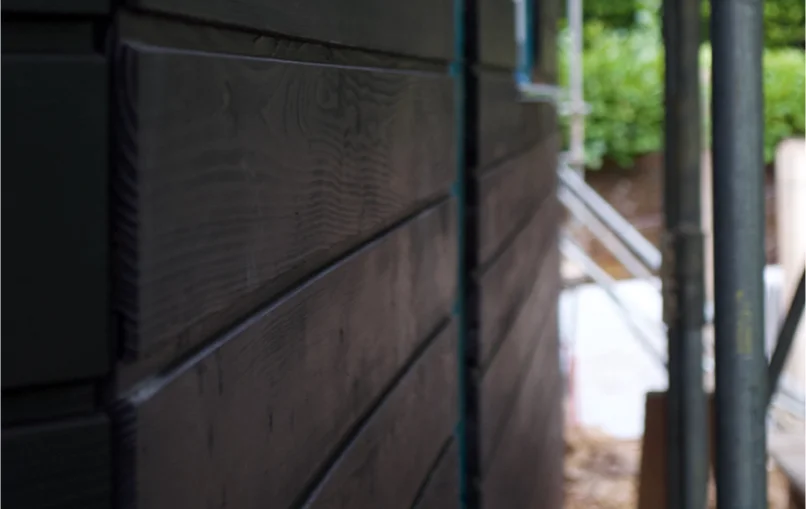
{"x":521,"y":472}
{"x":64,"y":464}
{"x":387,"y":462}
{"x":522,"y":346}
{"x":242,"y":176}
{"x":154,"y":30}
{"x":507,"y":283}
{"x":510,"y":192}
{"x":442,"y":488}
{"x":55,"y":159}
{"x":254,"y":417}
{"x":416,"y":27}
{"x":507,"y":126}
{"x":497,"y":34}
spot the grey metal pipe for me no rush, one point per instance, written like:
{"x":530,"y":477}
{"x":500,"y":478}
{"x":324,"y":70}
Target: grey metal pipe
{"x":577,"y":209}
{"x":738,"y":190}
{"x":684,"y":278}
{"x":632,"y":238}
{"x":786,"y":337}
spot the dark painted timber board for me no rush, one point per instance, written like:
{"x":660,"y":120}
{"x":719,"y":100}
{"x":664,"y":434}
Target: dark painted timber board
{"x":81,"y":7}
{"x":254,"y":417}
{"x":497,"y":34}
{"x":442,"y":488}
{"x":159,"y":31}
{"x":512,"y":478}
{"x":63,"y":464}
{"x":420,"y":28}
{"x":509,"y":193}
{"x":508,"y":126}
{"x":49,"y":402}
{"x":241,"y":176}
{"x":56,"y":228}
{"x":506,"y":284}
{"x":536,"y":319}
{"x":387,"y":462}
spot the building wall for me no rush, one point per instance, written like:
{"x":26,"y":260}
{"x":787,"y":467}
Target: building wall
{"x":236,"y":246}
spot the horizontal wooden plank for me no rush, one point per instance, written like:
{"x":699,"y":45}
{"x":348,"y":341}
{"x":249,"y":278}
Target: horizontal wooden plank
{"x":387,"y":462}
{"x":55,"y":157}
{"x":510,"y":192}
{"x":82,"y":7}
{"x":48,"y":403}
{"x":518,"y":474}
{"x":68,"y":35}
{"x":417,"y":27}
{"x":64,"y":464}
{"x":506,"y":283}
{"x":241,"y":176}
{"x":442,"y":488}
{"x":497,"y":33}
{"x":254,"y":417}
{"x":166,"y":32}
{"x":536,"y":320}
{"x":508,"y":126}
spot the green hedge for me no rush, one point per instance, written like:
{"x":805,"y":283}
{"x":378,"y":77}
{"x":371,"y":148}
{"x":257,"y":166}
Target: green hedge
{"x":623,"y":84}
{"x":784,"y":20}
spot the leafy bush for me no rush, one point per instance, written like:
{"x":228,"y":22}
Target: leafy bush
{"x":623,"y":84}
{"x":784,"y":20}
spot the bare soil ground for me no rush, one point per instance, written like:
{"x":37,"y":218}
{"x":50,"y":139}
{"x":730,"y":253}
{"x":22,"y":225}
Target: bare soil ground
{"x":601,"y":472}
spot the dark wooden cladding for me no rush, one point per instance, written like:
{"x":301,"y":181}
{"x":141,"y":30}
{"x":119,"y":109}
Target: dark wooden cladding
{"x":51,"y":7}
{"x":55,"y":204}
{"x":510,"y":193}
{"x":524,"y":345}
{"x":386,"y":464}
{"x":497,"y":34}
{"x":508,"y":126}
{"x":442,"y":488}
{"x":252,"y":419}
{"x":242,"y":176}
{"x":506,"y":284}
{"x":62,"y":464}
{"x":518,"y":474}
{"x":421,"y":28}
{"x":151,"y":30}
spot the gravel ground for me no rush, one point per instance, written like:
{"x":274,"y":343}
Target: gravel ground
{"x":601,"y":472}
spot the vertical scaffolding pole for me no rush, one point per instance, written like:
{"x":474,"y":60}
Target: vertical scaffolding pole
{"x":738,"y":190}
{"x":687,"y":443}
{"x":577,"y":109}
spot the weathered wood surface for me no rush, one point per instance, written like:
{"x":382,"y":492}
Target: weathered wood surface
{"x":416,"y":27}
{"x":63,"y":464}
{"x":161,"y":32}
{"x":55,"y":159}
{"x":525,"y":344}
{"x":522,"y":469}
{"x":254,"y":417}
{"x":441,"y":490}
{"x":508,"y":126}
{"x":511,"y":192}
{"x":507,"y":282}
{"x":388,"y":461}
{"x":242,"y":176}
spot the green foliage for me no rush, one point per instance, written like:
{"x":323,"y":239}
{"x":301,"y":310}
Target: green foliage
{"x":623,"y":84}
{"x":784,"y":20}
